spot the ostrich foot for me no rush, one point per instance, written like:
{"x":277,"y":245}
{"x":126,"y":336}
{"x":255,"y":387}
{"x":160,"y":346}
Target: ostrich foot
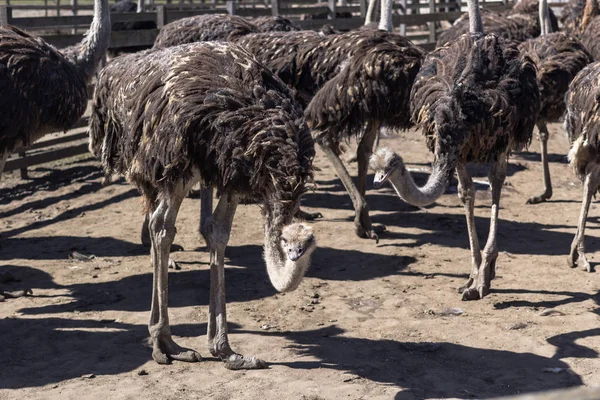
{"x":475,"y":293}
{"x":539,"y":199}
{"x":466,"y":286}
{"x":237,"y":361}
{"x":165,"y":349}
{"x":369,"y":234}
{"x":579,"y":259}
{"x":307,"y":216}
{"x":478,"y":285}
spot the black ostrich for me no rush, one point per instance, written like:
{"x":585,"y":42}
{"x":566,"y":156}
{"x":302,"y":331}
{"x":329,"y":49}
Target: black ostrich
{"x":351,"y":84}
{"x":519,"y":23}
{"x":589,"y":30}
{"x":558,"y":57}
{"x":45,"y":90}
{"x":207,"y":113}
{"x":220,"y":27}
{"x":475,"y":99}
{"x":582,"y":124}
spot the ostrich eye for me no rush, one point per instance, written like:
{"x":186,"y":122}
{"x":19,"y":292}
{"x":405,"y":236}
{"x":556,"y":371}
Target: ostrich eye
{"x":300,"y":249}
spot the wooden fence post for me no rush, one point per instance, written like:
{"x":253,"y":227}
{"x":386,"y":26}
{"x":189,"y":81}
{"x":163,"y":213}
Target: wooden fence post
{"x":363,"y":8}
{"x":331,"y":6}
{"x":58,"y":8}
{"x":404,"y":12}
{"x":3,"y":15}
{"x":231,"y":7}
{"x":275,"y":7}
{"x":161,"y":16}
{"x":432,"y":33}
{"x":24,"y":174}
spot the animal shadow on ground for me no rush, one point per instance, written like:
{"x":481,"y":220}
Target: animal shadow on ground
{"x":51,"y":350}
{"x":191,"y":285}
{"x":450,"y":230}
{"x":71,"y":212}
{"x":536,"y":157}
{"x":427,"y":369}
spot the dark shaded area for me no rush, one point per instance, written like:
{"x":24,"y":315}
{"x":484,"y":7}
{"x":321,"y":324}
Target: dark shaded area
{"x":427,"y":370}
{"x":190,"y":286}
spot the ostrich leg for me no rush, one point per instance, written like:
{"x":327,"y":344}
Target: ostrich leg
{"x":466,"y":194}
{"x":577,"y":253}
{"x":362,"y":222}
{"x":363,"y":153}
{"x":543,"y":136}
{"x":218,"y":229}
{"x":162,"y":233}
{"x":487,"y":270}
{"x":206,"y":210}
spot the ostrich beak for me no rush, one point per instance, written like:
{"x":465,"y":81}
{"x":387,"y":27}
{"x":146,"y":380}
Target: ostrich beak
{"x":295,"y":254}
{"x":379,"y":179}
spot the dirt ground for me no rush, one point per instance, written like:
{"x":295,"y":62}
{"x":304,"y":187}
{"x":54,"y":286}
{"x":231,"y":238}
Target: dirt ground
{"x":370,"y":321}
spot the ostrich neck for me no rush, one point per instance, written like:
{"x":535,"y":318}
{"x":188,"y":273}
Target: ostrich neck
{"x":92,"y":48}
{"x":285,"y":275}
{"x":475,"y":22}
{"x":407,"y":189}
{"x":545,"y":24}
{"x":385,"y":22}
{"x":370,"y":12}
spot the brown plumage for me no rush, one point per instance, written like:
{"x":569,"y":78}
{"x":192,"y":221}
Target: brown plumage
{"x":45,"y":90}
{"x":519,"y":24}
{"x":207,"y":113}
{"x":219,"y":27}
{"x":475,"y":99}
{"x":558,"y":58}
{"x":274,"y":24}
{"x":351,"y":83}
{"x":589,"y":28}
{"x":582,"y":124}
{"x":571,"y":16}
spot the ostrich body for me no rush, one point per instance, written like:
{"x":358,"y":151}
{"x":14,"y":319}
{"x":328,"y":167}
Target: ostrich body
{"x":219,"y":27}
{"x":475,"y":99}
{"x":351,"y":84}
{"x":558,"y":57}
{"x":571,"y":16}
{"x":207,"y":113}
{"x":519,"y":24}
{"x":45,"y":90}
{"x":589,"y":30}
{"x":582,"y":125}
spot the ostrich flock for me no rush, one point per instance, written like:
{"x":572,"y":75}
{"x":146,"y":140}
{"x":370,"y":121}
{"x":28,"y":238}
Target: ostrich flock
{"x":236,"y":105}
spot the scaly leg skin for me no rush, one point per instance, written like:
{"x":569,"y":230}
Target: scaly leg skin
{"x":487,"y":271}
{"x":162,"y":233}
{"x":206,"y":210}
{"x":466,"y":194}
{"x":543,"y":136}
{"x":577,"y":253}
{"x":218,"y":343}
{"x":364,"y":151}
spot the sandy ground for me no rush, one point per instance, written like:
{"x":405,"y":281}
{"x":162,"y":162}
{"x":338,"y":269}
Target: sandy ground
{"x":370,"y":321}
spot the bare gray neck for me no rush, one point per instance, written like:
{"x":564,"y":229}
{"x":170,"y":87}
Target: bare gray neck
{"x":475,"y":22}
{"x":92,"y":48}
{"x":436,"y":185}
{"x":385,"y":22}
{"x":545,"y":24}
{"x":370,"y":12}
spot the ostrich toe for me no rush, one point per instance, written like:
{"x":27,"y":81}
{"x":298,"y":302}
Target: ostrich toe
{"x":165,"y":350}
{"x":238,"y":361}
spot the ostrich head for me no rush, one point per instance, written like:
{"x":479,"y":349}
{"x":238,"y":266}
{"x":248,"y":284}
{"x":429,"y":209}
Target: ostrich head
{"x":384,"y":162}
{"x":297,"y":241}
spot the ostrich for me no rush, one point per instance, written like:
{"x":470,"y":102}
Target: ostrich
{"x":45,"y":90}
{"x":222,"y":27}
{"x":520,"y":23}
{"x":351,"y":84}
{"x":274,"y":24}
{"x":558,"y":57}
{"x":475,"y":99}
{"x":582,"y":127}
{"x":571,"y":16}
{"x":589,"y":30}
{"x":207,"y":113}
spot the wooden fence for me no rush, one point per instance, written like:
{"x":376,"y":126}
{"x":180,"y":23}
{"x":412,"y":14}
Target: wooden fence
{"x":417,"y":13}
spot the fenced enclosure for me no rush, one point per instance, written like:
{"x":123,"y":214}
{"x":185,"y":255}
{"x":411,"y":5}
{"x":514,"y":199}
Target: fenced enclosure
{"x":63,"y":22}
